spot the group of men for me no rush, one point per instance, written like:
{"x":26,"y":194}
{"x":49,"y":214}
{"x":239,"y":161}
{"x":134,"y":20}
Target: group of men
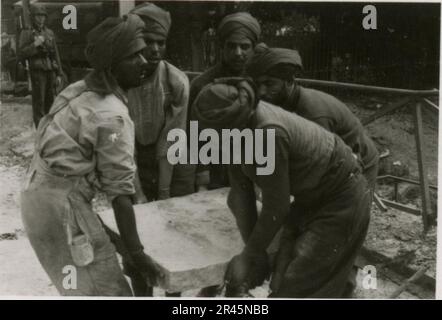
{"x":109,"y":132}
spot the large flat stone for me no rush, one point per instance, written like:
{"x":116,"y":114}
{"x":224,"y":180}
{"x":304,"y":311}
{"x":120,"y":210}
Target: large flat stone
{"x":192,"y":238}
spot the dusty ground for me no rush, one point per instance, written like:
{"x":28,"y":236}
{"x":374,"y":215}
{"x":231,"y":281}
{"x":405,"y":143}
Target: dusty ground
{"x":395,"y":233}
{"x":392,"y":233}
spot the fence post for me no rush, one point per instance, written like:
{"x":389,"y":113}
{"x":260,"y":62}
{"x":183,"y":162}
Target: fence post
{"x":425,"y":193}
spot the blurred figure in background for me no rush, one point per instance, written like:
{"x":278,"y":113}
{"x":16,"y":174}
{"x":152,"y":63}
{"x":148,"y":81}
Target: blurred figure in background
{"x":38,"y":46}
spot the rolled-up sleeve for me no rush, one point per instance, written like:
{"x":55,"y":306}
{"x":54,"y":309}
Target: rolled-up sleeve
{"x":115,"y":156}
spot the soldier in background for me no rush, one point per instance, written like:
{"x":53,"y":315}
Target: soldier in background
{"x":38,"y":45}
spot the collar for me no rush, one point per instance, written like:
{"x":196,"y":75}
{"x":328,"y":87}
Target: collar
{"x":102,"y":82}
{"x":154,"y":74}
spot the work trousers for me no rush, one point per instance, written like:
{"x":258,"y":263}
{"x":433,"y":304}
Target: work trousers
{"x":56,"y":209}
{"x":324,"y":241}
{"x":43,"y":92}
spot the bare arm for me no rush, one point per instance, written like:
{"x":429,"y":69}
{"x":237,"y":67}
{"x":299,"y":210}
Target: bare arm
{"x":275,"y":200}
{"x":250,"y":267}
{"x":165,"y":178}
{"x":127,"y":226}
{"x":242,"y":201}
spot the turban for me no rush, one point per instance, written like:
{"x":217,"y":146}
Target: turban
{"x":113,"y":40}
{"x":240,"y":23}
{"x":156,"y":20}
{"x":266,"y":59}
{"x":225,"y":103}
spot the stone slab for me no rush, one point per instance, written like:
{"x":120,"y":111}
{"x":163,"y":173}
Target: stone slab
{"x":192,"y":238}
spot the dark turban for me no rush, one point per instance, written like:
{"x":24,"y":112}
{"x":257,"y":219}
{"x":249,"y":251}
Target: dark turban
{"x":226,"y":103}
{"x":113,"y":40}
{"x":240,"y":23}
{"x":273,"y":61}
{"x":157,"y":20}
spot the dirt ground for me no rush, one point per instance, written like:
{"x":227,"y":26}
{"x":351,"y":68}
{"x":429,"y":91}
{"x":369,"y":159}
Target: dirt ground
{"x":397,"y":233}
{"x":392,"y":233}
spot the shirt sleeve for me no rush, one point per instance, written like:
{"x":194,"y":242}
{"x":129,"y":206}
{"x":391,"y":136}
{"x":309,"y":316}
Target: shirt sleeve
{"x":275,"y":189}
{"x":115,"y":156}
{"x":176,"y":115}
{"x":326,"y":123}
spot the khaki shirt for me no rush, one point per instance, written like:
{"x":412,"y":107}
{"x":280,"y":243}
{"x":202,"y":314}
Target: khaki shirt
{"x":91,"y":136}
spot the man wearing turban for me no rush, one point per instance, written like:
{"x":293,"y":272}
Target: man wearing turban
{"x":238,"y":33}
{"x":274,"y":70}
{"x":320,"y":242}
{"x":83,"y":145}
{"x":157,"y":106}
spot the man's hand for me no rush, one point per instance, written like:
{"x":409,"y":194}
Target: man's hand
{"x":140,"y":198}
{"x":283,"y":258}
{"x":202,"y":180}
{"x":147,"y":267}
{"x":39,"y":40}
{"x":246,"y":271}
{"x":203,"y":187}
{"x":238,"y":270}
